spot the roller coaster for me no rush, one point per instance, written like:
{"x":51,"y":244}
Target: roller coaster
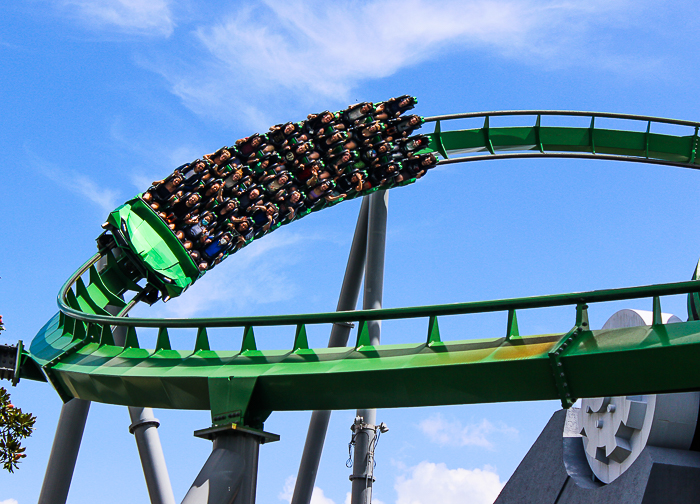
{"x":90,"y":349}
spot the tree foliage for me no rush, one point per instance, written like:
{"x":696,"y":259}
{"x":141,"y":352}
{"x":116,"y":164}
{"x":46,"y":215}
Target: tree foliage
{"x":14,"y":427}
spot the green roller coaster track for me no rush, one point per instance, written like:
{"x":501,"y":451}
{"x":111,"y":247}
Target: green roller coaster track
{"x":76,"y":349}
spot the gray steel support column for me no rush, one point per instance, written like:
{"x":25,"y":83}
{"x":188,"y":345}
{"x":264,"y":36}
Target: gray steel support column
{"x":374,"y":271}
{"x":66,"y":445}
{"x":144,"y":428}
{"x":64,"y":452}
{"x":230,"y":473}
{"x":318,"y":425}
{"x":372,"y":299}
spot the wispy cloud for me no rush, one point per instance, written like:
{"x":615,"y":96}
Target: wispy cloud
{"x":428,"y":483}
{"x":317,"y":496}
{"x":159,"y":158}
{"x":104,"y":197}
{"x":152,"y":17}
{"x":8,"y":501}
{"x":348,"y":499}
{"x":13,"y":47}
{"x":320,"y":51}
{"x":452,"y":432}
{"x":327,"y":48}
{"x":249,"y":279}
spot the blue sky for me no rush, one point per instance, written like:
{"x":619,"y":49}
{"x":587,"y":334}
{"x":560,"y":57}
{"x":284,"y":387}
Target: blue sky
{"x":99,"y":97}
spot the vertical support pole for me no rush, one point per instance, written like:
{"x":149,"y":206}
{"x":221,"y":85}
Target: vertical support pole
{"x":374,"y":271}
{"x":64,"y":452}
{"x":372,"y":299}
{"x":66,"y":444}
{"x":230,"y":474}
{"x":318,"y":425}
{"x":144,"y":428}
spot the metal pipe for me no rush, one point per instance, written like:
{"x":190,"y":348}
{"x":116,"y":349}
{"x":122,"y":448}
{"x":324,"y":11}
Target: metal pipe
{"x":347,"y":300}
{"x":64,"y":452}
{"x":362,"y":478}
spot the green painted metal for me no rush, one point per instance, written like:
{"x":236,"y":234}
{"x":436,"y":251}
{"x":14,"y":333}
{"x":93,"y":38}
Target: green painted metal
{"x":656,"y":311}
{"x":202,"y":342}
{"x":513,"y":331}
{"x":437,"y":141}
{"x":433,"y":332}
{"x":642,"y":360}
{"x":149,"y":238}
{"x":363,"y":339}
{"x":76,"y":349}
{"x":163,"y":342}
{"x":557,"y":141}
{"x":555,"y":355}
{"x":181,"y":379}
{"x":248,"y":344}
{"x":301,"y":342}
{"x":573,"y":298}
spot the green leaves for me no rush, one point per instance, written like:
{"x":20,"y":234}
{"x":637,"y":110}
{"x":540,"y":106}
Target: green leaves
{"x":14,"y":427}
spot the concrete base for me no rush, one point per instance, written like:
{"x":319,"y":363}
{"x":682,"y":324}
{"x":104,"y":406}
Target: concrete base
{"x":554,"y":471}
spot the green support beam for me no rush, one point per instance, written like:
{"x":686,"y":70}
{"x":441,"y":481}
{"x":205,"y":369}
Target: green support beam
{"x":76,"y":349}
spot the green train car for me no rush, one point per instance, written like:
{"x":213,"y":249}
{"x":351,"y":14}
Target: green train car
{"x":321,"y":161}
{"x":148,"y":241}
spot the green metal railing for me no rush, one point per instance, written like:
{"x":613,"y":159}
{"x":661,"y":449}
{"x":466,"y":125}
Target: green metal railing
{"x":567,"y":142}
{"x":77,"y":352}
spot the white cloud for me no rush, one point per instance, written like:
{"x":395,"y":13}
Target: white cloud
{"x":429,"y":483}
{"x":319,"y":51}
{"x":317,"y":496}
{"x":451,"y":432}
{"x":248,"y":279}
{"x":152,"y":17}
{"x":158,"y":158}
{"x":348,"y":499}
{"x":327,"y":48}
{"x":107,"y":199}
{"x":8,"y":501}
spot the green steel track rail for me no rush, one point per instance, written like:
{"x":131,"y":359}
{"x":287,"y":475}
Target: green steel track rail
{"x":77,"y":353}
{"x":566,"y":142}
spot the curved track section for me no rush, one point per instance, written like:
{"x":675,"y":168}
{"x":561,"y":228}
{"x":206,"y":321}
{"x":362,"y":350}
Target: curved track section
{"x":77,"y":352}
{"x":639,"y":143}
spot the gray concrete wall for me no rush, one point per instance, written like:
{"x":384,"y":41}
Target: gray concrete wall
{"x":659,"y":476}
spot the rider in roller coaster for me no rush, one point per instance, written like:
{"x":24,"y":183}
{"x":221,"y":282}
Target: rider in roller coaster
{"x":221,"y":202}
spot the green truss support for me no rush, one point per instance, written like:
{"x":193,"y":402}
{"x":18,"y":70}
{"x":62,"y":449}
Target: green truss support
{"x":656,"y":317}
{"x":131,"y":340}
{"x":202,"y":342}
{"x":363,"y":335}
{"x":248,"y":340}
{"x":512,"y":332}
{"x":433,"y":332}
{"x":163,"y":342}
{"x":106,"y":336}
{"x":301,"y":342}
